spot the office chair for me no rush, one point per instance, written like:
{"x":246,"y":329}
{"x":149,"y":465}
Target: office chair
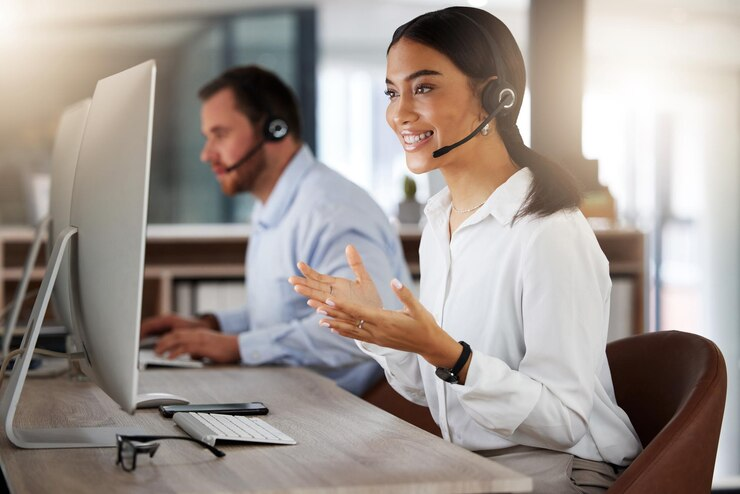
{"x":672,"y":385}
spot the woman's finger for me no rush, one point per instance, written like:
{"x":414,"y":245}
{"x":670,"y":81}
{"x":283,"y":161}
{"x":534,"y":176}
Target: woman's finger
{"x":312,"y":274}
{"x":325,"y":310}
{"x":316,"y":285}
{"x":355,"y":262}
{"x":356,"y":311}
{"x":347,"y":329}
{"x":406,"y":297}
{"x":311,"y":293}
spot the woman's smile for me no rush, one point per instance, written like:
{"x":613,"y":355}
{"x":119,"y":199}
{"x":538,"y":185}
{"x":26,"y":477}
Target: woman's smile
{"x":413,"y":139}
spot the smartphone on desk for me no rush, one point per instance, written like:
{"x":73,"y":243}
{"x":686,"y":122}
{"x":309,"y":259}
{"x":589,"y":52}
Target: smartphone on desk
{"x":251,"y":408}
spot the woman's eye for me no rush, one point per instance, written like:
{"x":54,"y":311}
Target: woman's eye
{"x":422,"y":89}
{"x":390,"y":93}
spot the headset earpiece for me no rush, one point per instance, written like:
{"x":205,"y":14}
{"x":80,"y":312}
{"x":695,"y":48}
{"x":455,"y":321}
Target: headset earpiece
{"x":489,"y":96}
{"x":494,"y":94}
{"x":275,"y":129}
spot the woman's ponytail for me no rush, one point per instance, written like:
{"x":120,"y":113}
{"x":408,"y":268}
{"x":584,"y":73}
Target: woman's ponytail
{"x":553,"y":188}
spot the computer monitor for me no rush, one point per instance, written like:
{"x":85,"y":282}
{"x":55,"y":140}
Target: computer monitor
{"x":63,"y":167}
{"x":106,"y":241}
{"x":63,"y":163}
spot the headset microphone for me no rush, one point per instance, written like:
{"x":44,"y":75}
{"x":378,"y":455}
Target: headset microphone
{"x":497,"y":97}
{"x":246,"y":157}
{"x":275,"y":129}
{"x":506,"y":101}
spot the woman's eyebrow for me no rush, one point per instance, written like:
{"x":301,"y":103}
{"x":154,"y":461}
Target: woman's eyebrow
{"x":418,"y":73}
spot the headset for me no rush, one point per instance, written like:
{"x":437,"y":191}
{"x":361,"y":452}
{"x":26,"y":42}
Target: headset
{"x":274,"y":129}
{"x":498,"y":95}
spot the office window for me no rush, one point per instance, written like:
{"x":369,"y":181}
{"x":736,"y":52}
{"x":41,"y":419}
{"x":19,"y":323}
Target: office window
{"x":55,"y":62}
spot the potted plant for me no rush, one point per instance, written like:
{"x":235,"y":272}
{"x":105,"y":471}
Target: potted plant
{"x":409,"y":210}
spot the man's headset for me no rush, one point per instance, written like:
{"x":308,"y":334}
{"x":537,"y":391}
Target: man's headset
{"x":498,"y":95}
{"x":274,"y":129}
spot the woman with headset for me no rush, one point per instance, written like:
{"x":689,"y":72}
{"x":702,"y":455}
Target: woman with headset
{"x":507,"y":343}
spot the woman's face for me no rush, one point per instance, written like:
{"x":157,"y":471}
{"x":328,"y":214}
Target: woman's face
{"x":431,"y":104}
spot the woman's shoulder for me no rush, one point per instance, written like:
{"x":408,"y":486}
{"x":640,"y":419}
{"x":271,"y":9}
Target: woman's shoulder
{"x":566,"y":226}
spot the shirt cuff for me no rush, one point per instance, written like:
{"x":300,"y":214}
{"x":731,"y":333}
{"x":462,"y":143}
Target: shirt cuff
{"x":233,"y":321}
{"x":261,"y":347}
{"x":401,"y":370}
{"x":490,"y":380}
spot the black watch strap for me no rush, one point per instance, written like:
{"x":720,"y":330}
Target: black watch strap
{"x":453,"y":375}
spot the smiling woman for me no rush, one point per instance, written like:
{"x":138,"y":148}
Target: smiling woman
{"x":506,"y":345}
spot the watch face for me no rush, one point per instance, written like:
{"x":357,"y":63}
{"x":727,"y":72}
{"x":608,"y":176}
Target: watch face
{"x":446,"y":375}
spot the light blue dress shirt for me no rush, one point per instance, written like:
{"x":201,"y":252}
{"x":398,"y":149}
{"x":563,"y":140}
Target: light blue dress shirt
{"x":311,"y":215}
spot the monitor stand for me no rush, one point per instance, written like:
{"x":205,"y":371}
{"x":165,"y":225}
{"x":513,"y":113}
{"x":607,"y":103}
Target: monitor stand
{"x":75,"y":437}
{"x":20,"y":293}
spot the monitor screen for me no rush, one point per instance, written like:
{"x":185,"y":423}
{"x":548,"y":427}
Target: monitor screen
{"x":109,"y":210}
{"x":63,"y":164}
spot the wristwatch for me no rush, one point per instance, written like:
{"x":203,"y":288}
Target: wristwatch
{"x":452,"y":376}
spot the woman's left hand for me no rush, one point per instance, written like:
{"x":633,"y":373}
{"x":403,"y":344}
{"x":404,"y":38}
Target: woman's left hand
{"x":412,"y":329}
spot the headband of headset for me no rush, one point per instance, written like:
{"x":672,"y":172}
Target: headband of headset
{"x":499,"y":89}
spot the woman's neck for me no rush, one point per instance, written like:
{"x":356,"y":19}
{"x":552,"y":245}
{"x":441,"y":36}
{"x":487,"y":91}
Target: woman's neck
{"x":477,"y":171}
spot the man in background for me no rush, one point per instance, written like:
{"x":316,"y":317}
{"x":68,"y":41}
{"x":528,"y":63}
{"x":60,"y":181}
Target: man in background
{"x":304,"y":211}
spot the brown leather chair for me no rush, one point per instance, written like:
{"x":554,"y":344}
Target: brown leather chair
{"x":672,"y":385}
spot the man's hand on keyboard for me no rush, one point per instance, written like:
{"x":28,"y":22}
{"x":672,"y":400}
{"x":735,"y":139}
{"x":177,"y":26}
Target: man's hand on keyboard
{"x":163,"y":324}
{"x":200,"y":343}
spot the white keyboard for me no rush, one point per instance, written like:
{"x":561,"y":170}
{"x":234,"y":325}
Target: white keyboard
{"x":211,"y":427}
{"x":147,"y":358}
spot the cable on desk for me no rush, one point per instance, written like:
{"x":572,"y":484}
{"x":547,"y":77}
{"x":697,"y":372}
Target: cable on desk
{"x":38,"y":351}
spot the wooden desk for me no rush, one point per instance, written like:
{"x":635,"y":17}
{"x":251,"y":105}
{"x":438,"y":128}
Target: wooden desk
{"x":344,"y":444}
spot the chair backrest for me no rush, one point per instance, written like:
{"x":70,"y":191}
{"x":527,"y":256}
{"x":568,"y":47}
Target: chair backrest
{"x":673,"y":386}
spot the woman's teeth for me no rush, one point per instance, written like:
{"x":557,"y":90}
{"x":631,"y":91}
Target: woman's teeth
{"x":409,"y":139}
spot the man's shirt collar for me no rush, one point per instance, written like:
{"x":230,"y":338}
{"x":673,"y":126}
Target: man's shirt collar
{"x":270,"y":213}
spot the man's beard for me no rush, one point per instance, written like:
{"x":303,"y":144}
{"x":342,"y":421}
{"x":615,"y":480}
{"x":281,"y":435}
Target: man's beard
{"x":246,"y":176}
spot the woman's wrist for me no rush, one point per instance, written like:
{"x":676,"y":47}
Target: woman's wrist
{"x":444,"y":352}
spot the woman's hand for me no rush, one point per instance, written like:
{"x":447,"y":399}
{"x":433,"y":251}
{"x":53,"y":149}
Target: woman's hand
{"x":412,"y":329}
{"x":318,"y":287}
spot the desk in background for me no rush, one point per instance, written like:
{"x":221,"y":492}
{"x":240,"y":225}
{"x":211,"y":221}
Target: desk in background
{"x":197,"y":253}
{"x":344,"y":444}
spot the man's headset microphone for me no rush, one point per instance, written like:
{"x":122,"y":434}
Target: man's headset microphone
{"x":274,"y":130}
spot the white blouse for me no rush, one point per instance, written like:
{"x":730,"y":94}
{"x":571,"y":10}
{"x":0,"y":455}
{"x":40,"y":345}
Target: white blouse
{"x":532,"y":300}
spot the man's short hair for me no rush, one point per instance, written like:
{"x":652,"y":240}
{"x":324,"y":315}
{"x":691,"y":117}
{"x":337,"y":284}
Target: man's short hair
{"x":258,"y":93}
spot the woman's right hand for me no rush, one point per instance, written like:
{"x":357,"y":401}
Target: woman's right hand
{"x":318,"y":287}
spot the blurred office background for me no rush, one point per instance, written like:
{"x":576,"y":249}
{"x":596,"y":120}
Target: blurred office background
{"x":661,"y":114}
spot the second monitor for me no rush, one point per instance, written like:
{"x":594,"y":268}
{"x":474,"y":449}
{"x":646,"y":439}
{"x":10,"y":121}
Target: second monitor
{"x":106,"y":241}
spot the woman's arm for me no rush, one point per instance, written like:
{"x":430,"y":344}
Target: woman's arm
{"x":547,"y":400}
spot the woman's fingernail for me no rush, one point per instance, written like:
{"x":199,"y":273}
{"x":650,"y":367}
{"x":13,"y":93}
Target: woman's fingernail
{"x":330,"y":302}
{"x":325,"y":324}
{"x":396,"y":284}
{"x":322,"y":312}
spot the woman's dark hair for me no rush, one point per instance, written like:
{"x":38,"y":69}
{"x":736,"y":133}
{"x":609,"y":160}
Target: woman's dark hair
{"x":259,"y":94}
{"x":457,"y":33}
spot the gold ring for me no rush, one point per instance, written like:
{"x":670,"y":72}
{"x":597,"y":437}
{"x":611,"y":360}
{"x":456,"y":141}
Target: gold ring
{"x":360,"y":324}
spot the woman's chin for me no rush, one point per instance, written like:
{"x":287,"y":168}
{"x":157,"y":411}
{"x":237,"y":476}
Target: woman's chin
{"x":418,"y":164}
